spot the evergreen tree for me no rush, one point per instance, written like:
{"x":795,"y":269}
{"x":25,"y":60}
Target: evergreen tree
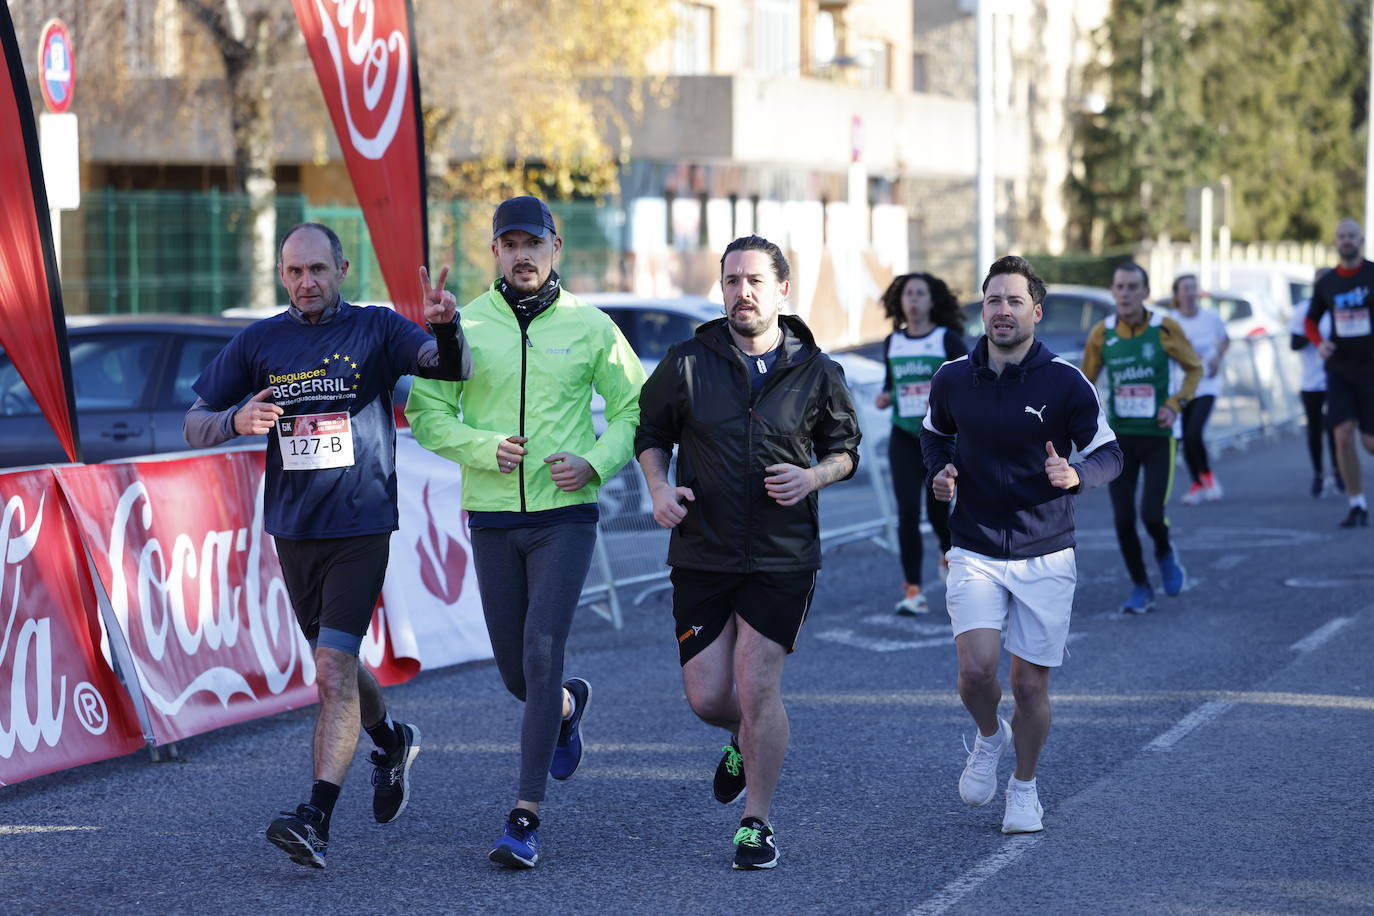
{"x":1268,"y":92}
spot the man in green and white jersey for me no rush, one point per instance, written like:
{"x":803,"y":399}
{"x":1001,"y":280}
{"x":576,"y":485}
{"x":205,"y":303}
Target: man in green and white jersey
{"x":1152,"y":371}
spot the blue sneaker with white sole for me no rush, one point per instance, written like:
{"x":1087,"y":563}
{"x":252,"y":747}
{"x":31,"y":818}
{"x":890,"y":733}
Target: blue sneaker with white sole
{"x":567,"y":753}
{"x":1141,"y":600}
{"x":1172,"y":573}
{"x":519,"y":845}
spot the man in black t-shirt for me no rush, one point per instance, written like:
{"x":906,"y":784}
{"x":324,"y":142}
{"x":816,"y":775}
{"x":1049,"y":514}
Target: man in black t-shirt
{"x":1347,"y":293}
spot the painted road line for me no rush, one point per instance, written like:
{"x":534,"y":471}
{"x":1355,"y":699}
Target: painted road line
{"x":1189,"y":723}
{"x":952,"y":893}
{"x":1320,"y":636}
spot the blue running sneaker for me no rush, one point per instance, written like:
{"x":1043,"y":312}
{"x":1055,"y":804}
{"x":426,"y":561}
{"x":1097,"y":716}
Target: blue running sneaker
{"x":567,"y":753}
{"x":1141,"y":600}
{"x":1172,"y":573}
{"x":519,"y":845}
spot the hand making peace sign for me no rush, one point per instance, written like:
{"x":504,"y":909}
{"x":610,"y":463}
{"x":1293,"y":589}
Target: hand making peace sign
{"x":440,"y":305}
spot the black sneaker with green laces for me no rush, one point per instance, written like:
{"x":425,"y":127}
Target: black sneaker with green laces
{"x":755,"y":845}
{"x":729,"y":781}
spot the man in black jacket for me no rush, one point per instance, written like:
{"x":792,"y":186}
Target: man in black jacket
{"x":748,"y":401}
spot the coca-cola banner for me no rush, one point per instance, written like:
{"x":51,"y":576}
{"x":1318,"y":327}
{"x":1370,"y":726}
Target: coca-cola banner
{"x":364,"y":56}
{"x":432,"y":603}
{"x":195,"y":585}
{"x":33,"y":330}
{"x":62,"y":704}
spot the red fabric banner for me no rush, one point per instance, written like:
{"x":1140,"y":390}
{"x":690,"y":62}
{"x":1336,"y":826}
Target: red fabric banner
{"x":364,"y":56}
{"x":63,"y":705}
{"x":33,"y":330}
{"x":195,"y":584}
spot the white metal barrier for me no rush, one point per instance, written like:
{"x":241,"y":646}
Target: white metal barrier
{"x":1259,"y":399}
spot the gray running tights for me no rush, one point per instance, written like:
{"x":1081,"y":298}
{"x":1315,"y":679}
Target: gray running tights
{"x":530,"y":580}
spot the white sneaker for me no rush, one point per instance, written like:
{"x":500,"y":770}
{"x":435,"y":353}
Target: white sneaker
{"x":978,"y":782}
{"x":1023,"y":810}
{"x":1213,"y":491}
{"x":913,"y":605}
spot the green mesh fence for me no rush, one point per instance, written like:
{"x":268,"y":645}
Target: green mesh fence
{"x":160,"y":251}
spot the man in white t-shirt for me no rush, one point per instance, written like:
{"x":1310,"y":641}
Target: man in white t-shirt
{"x":1207,"y":333}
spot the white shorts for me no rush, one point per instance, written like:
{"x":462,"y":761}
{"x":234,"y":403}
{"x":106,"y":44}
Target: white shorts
{"x":1030,"y":600}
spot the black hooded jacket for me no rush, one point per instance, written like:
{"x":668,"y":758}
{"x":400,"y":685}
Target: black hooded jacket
{"x":700,"y":399}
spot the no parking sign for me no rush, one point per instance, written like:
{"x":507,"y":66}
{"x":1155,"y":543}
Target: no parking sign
{"x":56,"y":66}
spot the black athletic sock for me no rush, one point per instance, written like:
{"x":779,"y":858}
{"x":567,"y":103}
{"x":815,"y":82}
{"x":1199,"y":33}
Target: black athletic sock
{"x":385,"y":735}
{"x":531,"y":819}
{"x":323,"y":795}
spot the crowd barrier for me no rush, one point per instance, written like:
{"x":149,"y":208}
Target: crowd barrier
{"x":1259,"y":398}
{"x":142,"y":602}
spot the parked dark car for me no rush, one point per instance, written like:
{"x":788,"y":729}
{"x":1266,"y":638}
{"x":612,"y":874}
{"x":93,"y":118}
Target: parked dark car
{"x":133,"y":377}
{"x":1070,"y":313}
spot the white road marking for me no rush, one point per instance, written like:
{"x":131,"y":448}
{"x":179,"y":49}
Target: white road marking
{"x":1230,"y":561}
{"x":1320,"y":636}
{"x":881,"y":644}
{"x":1189,"y":723}
{"x":955,"y":891}
{"x":910,"y":625}
{"x":951,"y":894}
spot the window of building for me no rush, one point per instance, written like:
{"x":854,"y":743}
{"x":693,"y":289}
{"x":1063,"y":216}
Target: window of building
{"x":693,"y":38}
{"x":777,"y":37}
{"x":875,"y":63}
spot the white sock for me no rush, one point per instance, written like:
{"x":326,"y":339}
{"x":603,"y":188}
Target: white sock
{"x":1020,"y":786}
{"x":572,"y":703}
{"x":1358,"y":501}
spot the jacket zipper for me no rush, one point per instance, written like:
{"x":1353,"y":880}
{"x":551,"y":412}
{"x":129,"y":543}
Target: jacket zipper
{"x":1003,"y":478}
{"x":525,"y":344}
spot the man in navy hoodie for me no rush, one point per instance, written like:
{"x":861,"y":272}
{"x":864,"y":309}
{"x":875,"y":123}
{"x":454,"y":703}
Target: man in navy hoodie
{"x":999,"y":422}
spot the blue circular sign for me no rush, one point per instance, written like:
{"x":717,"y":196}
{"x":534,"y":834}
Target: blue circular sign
{"x":57,"y":66}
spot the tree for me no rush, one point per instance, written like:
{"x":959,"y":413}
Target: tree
{"x":528,"y":93}
{"x":1267,"y":92}
{"x":250,"y":39}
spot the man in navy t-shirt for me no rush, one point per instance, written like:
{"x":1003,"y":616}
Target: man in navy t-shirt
{"x":323,"y":372}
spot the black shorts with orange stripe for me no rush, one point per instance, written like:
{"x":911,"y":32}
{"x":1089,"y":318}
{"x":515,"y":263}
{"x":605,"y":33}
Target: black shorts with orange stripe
{"x":774,"y":604}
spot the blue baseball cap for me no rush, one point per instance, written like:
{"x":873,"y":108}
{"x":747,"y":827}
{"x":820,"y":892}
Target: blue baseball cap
{"x":528,"y":214}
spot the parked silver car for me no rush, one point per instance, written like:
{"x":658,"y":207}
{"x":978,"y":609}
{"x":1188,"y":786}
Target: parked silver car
{"x":133,"y":377}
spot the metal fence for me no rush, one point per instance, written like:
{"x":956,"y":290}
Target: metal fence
{"x":128,"y":252}
{"x":1259,"y":400}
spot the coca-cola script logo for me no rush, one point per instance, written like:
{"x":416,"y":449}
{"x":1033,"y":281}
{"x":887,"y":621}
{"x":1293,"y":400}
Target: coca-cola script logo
{"x":379,"y":61}
{"x":33,"y":641}
{"x":443,"y":561}
{"x":159,"y":615}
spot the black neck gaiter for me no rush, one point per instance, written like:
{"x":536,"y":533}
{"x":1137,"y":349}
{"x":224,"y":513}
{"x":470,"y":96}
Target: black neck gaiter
{"x":527,"y":307}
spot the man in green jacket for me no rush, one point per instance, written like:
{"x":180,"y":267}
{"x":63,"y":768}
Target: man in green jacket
{"x":521,"y":427}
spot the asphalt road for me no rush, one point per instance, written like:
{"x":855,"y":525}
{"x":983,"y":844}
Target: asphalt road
{"x":1211,"y":757}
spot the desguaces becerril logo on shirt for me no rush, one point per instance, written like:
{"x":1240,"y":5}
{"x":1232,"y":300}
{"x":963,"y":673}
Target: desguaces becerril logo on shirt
{"x":337,"y":378}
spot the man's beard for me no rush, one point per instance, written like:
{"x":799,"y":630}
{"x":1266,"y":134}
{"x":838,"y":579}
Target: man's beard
{"x":1348,"y":252}
{"x":753,"y":324}
{"x":1019,"y":336}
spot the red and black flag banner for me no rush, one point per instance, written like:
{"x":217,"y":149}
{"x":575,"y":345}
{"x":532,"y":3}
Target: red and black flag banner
{"x":364,"y":56}
{"x":33,"y":328}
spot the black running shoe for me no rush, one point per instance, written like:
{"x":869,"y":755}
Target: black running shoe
{"x":755,"y":846}
{"x":391,"y":775}
{"x":1358,"y":518}
{"x":1318,"y":486}
{"x":567,"y":753}
{"x":302,"y":834}
{"x":729,"y":781}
